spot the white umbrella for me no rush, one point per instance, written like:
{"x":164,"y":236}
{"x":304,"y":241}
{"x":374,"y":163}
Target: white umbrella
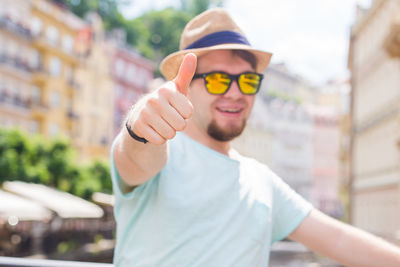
{"x":62,"y":203}
{"x":14,"y":208}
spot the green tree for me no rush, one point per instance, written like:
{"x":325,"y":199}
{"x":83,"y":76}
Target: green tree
{"x":33,"y":159}
{"x":159,"y":32}
{"x":195,"y":7}
{"x":99,"y":169}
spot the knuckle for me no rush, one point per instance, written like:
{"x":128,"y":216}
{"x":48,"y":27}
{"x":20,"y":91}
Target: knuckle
{"x":164,"y":92}
{"x":158,"y":141}
{"x":187,"y":111}
{"x":180,"y":125}
{"x":153,"y":102}
{"x":170,"y":134}
{"x":145,"y":115}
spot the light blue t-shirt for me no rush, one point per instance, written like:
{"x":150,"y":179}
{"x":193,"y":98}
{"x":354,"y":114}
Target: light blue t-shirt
{"x":204,"y":209}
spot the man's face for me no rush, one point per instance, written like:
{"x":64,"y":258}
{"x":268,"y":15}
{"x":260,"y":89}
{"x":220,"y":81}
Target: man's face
{"x":222,"y":117}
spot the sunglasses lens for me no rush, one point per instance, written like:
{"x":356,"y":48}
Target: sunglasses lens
{"x":249,"y":83}
{"x":217,"y":83}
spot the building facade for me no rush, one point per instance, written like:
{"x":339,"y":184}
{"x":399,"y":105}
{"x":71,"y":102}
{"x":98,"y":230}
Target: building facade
{"x":17,"y":63}
{"x":93,"y":101}
{"x":60,"y":75}
{"x":375,"y":81}
{"x":54,"y":30}
{"x":132,"y":75}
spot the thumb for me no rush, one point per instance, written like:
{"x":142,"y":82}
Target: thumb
{"x":185,"y":73}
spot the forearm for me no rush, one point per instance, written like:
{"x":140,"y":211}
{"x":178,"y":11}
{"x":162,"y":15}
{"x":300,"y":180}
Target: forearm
{"x":138,"y":162}
{"x":344,"y":243}
{"x":359,"y":248}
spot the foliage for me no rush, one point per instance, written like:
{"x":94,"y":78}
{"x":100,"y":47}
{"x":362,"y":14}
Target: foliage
{"x":156,"y":34}
{"x":32,"y":159}
{"x":161,"y":31}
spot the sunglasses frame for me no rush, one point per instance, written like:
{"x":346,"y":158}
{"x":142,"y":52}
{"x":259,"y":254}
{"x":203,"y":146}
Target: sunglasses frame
{"x":232,"y":77}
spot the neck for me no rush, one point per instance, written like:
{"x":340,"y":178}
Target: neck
{"x":203,"y":138}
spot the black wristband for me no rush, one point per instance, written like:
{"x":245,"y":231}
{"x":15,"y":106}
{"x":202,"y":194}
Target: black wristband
{"x":133,"y":135}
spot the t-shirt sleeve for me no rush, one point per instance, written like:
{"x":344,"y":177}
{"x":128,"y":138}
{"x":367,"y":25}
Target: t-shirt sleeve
{"x":289,"y":209}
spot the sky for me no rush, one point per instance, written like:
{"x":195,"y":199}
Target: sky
{"x":310,"y":36}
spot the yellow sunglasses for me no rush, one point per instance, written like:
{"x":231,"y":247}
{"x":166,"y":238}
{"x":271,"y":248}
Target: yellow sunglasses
{"x":218,"y":82}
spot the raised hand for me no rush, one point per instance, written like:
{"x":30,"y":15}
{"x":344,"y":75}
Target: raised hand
{"x":158,"y":116}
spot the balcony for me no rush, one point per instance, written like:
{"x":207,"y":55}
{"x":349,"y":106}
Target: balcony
{"x":39,"y":110}
{"x":72,"y":115}
{"x":15,"y":67}
{"x":40,"y":76}
{"x":73,"y":84}
{"x":14,"y":104}
{"x":15,"y":27}
{"x":44,"y":45}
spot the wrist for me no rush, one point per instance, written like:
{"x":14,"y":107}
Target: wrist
{"x":130,"y":131}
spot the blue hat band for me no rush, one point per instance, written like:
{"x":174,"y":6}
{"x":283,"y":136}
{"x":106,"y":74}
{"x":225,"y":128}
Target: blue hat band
{"x":217,"y":38}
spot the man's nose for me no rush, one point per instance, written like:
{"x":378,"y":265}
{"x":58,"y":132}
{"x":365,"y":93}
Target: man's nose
{"x":234,"y":91}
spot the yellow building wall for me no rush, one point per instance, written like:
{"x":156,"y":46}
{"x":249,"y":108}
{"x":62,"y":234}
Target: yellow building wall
{"x":53,"y":38}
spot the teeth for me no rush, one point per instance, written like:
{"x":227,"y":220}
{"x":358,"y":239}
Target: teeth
{"x":229,"y":110}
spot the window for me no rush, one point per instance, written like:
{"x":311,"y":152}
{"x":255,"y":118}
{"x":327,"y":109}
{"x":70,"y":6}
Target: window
{"x":36,"y":95}
{"x":55,"y":99}
{"x":120,"y":91}
{"x":54,"y":129}
{"x":119,"y":68}
{"x":36,"y":26}
{"x":13,"y":49}
{"x":34,"y":59}
{"x":67,"y":43}
{"x":131,"y":96}
{"x":34,"y":127}
{"x":131,"y":73}
{"x":55,"y":66}
{"x":52,"y":35}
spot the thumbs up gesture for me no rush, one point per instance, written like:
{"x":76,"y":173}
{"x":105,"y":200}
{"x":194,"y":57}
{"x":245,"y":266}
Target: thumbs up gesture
{"x":158,"y":116}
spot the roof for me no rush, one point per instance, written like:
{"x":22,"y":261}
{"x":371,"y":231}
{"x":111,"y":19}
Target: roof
{"x":13,"y":207}
{"x":63,"y":204}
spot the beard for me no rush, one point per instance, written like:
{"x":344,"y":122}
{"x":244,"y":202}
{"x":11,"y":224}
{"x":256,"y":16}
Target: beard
{"x":227,"y":134}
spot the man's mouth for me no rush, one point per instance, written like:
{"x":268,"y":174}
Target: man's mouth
{"x":229,"y":110}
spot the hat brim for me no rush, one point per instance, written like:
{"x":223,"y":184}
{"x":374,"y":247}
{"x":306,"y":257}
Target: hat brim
{"x":170,"y":65}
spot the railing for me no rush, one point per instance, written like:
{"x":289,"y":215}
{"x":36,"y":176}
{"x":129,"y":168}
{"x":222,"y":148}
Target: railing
{"x":23,"y":262}
{"x":15,"y":62}
{"x":8,"y":23}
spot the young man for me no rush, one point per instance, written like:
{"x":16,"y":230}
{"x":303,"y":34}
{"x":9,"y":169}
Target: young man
{"x":184,"y":197}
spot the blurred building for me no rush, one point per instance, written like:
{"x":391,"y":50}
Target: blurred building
{"x":325,"y":166}
{"x":375,"y":81}
{"x":256,"y":139}
{"x":60,"y":75}
{"x":93,"y":102}
{"x":335,"y":98}
{"x":131,"y":73}
{"x":53,"y":31}
{"x":17,"y":62}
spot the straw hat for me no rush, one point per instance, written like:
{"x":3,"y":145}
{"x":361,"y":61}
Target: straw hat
{"x":211,"y":30}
